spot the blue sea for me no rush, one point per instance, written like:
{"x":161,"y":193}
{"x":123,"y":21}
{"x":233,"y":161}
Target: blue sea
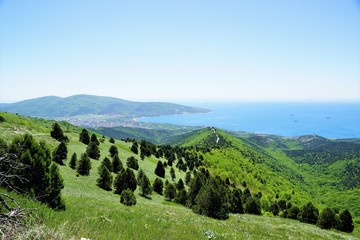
{"x":331,"y":120}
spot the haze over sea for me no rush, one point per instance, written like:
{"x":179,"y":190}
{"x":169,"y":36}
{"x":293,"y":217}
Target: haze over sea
{"x":331,"y":120}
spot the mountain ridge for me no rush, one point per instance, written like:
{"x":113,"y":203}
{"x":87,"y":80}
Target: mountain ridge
{"x":82,"y":104}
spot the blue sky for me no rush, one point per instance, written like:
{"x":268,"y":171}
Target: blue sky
{"x":261,"y":50}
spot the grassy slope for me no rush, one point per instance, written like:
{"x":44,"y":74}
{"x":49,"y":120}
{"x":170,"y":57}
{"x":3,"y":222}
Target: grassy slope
{"x":97,"y":214}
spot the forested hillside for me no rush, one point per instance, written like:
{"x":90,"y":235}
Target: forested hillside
{"x":130,"y":188}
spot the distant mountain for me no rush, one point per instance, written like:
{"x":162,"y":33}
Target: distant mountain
{"x":52,"y":106}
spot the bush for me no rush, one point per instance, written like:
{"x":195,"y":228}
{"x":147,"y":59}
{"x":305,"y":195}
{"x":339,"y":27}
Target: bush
{"x":309,"y":214}
{"x":346,"y":222}
{"x":253,"y":206}
{"x":327,"y":219}
{"x":274,"y":208}
{"x":127,"y":198}
{"x":117,"y":165}
{"x":293,"y":212}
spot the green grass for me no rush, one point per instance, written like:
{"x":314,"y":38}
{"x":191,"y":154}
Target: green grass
{"x":97,"y":214}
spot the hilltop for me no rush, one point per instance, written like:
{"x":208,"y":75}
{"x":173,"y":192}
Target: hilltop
{"x":97,"y":214}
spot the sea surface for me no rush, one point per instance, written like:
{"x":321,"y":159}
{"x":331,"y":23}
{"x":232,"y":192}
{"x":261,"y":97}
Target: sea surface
{"x":331,"y":120}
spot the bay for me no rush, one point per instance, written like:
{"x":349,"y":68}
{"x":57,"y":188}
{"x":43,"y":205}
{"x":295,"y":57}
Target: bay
{"x":331,"y":120}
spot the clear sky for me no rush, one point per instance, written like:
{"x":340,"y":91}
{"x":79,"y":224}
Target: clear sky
{"x":240,"y":50}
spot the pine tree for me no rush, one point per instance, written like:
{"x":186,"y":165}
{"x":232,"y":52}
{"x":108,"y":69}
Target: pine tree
{"x":180,"y":185}
{"x":170,"y":192}
{"x":107,"y":163}
{"x":187,"y":178}
{"x":84,"y":136}
{"x":60,"y":153}
{"x":116,"y":164}
{"x":158,"y":186}
{"x":132,"y":163}
{"x":160,"y":170}
{"x":125,"y":180}
{"x":94,"y":139}
{"x":105,"y":179}
{"x":93,"y":151}
{"x":113,"y":150}
{"x":73,"y":161}
{"x":135,"y":147}
{"x":172,"y":173}
{"x":140,"y":176}
{"x":236,"y":201}
{"x":212,"y":200}
{"x":57,"y":133}
{"x":84,"y":165}
{"x":181,"y":197}
{"x":145,"y":186}
{"x":112,"y":140}
{"x":56,"y":184}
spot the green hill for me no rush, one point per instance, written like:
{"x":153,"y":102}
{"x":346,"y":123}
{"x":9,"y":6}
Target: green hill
{"x":52,"y":106}
{"x":94,"y":213}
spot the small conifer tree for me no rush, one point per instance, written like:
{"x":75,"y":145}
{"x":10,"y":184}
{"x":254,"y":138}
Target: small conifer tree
{"x":56,"y":184}
{"x":127,"y":198}
{"x":346,"y":223}
{"x":170,"y":192}
{"x":158,"y":186}
{"x":84,"y":165}
{"x":309,"y":213}
{"x":105,"y":179}
{"x":107,"y":163}
{"x":73,"y":161}
{"x":113,"y":150}
{"x":60,"y":153}
{"x":172,"y":173}
{"x":117,"y":165}
{"x":160,"y":170}
{"x":145,"y":186}
{"x":92,"y":150}
{"x":84,"y":136}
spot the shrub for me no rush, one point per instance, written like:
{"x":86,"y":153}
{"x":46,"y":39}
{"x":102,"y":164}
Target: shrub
{"x":127,"y":198}
{"x":170,"y":192}
{"x":293,"y":212}
{"x":309,"y":214}
{"x":253,"y":206}
{"x":113,"y":150}
{"x":84,"y":136}
{"x":327,"y":219}
{"x":346,"y":222}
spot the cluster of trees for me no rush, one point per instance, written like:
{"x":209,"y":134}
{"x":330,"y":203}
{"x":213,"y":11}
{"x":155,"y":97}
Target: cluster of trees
{"x":28,"y":168}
